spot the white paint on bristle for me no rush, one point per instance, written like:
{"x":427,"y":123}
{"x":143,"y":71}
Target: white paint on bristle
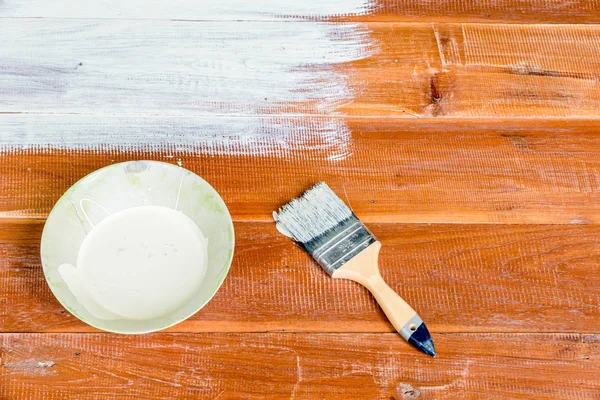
{"x":184,"y":9}
{"x":318,"y":210}
{"x":181,"y":70}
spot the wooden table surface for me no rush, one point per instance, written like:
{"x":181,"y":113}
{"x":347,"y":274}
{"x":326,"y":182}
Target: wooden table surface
{"x":465,"y":133}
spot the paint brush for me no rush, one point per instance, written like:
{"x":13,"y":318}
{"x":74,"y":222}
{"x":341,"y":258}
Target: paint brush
{"x":329,"y":231}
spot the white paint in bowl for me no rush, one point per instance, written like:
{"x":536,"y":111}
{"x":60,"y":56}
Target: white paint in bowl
{"x":103,"y":247}
{"x":140,"y":263}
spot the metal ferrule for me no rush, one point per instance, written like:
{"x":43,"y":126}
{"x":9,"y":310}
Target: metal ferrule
{"x":339,"y":245}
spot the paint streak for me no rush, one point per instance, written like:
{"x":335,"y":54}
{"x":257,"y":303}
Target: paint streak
{"x":325,"y":137}
{"x":178,"y":9}
{"x":181,"y":69}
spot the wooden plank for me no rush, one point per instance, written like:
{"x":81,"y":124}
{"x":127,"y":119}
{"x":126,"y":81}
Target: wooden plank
{"x":297,"y":366}
{"x":390,"y":170}
{"x":461,"y":278}
{"x":176,"y":67}
{"x":518,"y":11}
{"x":477,"y":70}
{"x":505,"y":11}
{"x":188,"y":68}
{"x":226,"y":10}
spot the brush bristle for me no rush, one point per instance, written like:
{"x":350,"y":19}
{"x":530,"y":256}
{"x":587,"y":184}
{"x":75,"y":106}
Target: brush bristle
{"x":317,"y":211}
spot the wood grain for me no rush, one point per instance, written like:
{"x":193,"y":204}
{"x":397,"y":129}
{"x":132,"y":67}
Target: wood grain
{"x":297,"y":366}
{"x":481,"y":118}
{"x":460,"y":278}
{"x":389,"y":170}
{"x":477,"y":70}
{"x":291,"y":68}
{"x":505,"y":11}
{"x":513,"y":11}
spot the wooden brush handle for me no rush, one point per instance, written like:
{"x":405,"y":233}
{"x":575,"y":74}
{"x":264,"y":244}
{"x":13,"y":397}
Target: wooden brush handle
{"x":364,"y":269}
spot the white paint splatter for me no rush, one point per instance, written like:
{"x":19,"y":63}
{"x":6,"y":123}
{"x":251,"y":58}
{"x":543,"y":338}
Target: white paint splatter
{"x":46,"y":364}
{"x":183,"y":9}
{"x":179,"y":69}
{"x":31,"y":366}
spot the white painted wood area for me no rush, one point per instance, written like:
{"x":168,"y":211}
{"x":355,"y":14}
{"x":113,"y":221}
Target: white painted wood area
{"x":168,"y":136}
{"x":170,"y":69}
{"x":185,"y":9}
{"x":173,"y":67}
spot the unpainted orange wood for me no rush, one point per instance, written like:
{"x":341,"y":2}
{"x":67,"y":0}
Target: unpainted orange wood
{"x":460,"y":278}
{"x":390,"y":170}
{"x":505,"y":11}
{"x":477,"y":70}
{"x":297,"y":366}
